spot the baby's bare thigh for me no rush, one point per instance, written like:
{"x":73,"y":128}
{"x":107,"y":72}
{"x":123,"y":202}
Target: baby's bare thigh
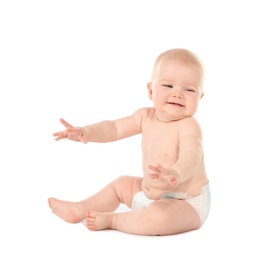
{"x":176,"y":216}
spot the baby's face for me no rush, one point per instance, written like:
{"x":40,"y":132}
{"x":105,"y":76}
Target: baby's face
{"x":175,"y":90}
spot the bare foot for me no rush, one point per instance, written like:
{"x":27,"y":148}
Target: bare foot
{"x":99,"y":221}
{"x":71,"y":212}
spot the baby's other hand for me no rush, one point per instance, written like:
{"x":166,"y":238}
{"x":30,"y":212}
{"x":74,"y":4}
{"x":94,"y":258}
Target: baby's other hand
{"x":165,"y":174}
{"x":77,"y":134}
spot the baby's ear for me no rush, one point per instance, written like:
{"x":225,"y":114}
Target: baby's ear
{"x":149,"y":89}
{"x":201,"y":95}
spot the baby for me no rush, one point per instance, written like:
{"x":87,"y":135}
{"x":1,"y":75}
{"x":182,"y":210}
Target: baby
{"x":173,"y":195}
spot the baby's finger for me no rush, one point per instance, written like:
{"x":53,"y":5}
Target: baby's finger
{"x":83,"y":140}
{"x":60,"y":135}
{"x":56,"y":134}
{"x":172,"y":180}
{"x":58,"y":138}
{"x":74,"y":130}
{"x":65,"y":123}
{"x":169,"y":178}
{"x":159,"y":166}
{"x":153,"y":168}
{"x":153,"y":176}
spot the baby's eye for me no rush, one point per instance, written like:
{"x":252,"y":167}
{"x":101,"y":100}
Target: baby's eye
{"x":190,"y":90}
{"x":167,"y":86}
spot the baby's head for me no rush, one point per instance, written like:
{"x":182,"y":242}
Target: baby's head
{"x":184,"y":57}
{"x":176,"y":84}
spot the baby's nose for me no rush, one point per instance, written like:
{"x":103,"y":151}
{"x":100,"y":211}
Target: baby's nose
{"x":177,"y":94}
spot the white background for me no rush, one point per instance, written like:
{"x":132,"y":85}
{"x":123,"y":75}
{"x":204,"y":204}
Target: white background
{"x":88,"y":61}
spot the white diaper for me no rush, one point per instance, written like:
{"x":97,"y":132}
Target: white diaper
{"x":200,"y":203}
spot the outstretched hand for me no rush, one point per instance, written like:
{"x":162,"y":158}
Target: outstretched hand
{"x":165,"y":174}
{"x":77,"y":134}
{"x":166,"y":182}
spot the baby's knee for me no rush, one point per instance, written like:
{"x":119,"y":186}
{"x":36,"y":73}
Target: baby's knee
{"x":128,"y":180}
{"x":123,"y":179}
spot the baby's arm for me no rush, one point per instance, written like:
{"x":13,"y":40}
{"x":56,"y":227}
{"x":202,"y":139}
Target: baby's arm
{"x":190,"y":150}
{"x":109,"y":131}
{"x":190,"y":156}
{"x":105,"y":131}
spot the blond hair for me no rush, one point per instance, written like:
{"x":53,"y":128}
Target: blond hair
{"x":184,"y":56}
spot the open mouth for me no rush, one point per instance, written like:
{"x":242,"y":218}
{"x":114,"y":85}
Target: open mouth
{"x":175,"y":104}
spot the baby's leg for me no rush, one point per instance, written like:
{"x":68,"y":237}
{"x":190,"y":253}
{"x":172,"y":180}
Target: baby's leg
{"x":108,"y":199}
{"x":72,"y":212}
{"x":162,"y":217}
